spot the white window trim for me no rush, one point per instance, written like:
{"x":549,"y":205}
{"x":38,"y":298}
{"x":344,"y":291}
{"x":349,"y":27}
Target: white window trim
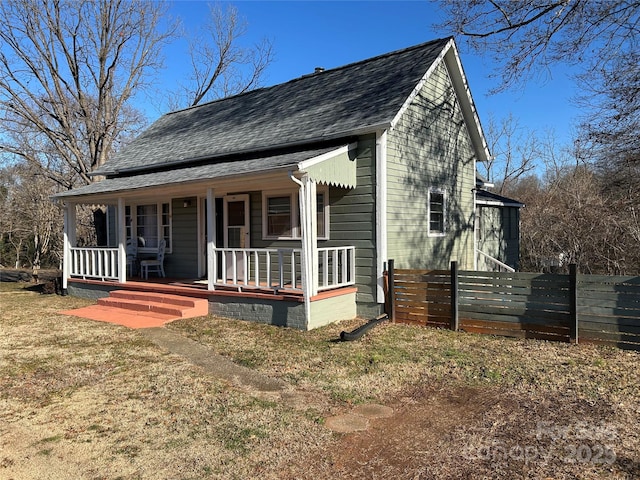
{"x":445,"y":205}
{"x":134,"y":224}
{"x":295,"y":221}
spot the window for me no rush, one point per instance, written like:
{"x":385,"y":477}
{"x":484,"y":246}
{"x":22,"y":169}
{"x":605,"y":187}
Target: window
{"x":279,"y":219}
{"x":150,"y":223}
{"x":147,"y":225}
{"x":320,"y":215}
{"x":437,"y":212}
{"x":281,"y":215}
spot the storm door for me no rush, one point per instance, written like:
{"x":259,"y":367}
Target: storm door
{"x":236,"y":233}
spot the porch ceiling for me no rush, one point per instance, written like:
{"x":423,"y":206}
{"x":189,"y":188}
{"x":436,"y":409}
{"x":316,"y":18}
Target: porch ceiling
{"x":110,"y":188}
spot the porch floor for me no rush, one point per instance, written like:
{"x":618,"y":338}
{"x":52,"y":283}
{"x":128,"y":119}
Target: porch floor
{"x":192,"y":287}
{"x":197,"y":288}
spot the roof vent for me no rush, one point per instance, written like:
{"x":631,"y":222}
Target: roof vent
{"x":319,"y":70}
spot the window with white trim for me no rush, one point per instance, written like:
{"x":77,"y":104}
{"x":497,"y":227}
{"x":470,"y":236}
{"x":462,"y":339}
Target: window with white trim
{"x":281,"y":215}
{"x":150,"y":223}
{"x":437,"y":212}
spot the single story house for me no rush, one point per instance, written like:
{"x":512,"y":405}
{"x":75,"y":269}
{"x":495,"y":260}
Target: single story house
{"x":283,"y":204}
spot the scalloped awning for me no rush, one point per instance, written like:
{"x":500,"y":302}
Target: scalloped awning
{"x":337,"y":167}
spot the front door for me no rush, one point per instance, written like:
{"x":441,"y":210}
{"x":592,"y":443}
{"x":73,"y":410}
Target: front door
{"x":236,"y":232}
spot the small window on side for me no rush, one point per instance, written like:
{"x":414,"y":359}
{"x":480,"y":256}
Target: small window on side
{"x":437,"y":212}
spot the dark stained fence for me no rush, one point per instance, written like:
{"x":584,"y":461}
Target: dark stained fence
{"x":526,"y":305}
{"x":578,"y":308}
{"x":422,"y":297}
{"x":609,"y":310}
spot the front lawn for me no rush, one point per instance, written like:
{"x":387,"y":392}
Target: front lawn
{"x":85,"y":400}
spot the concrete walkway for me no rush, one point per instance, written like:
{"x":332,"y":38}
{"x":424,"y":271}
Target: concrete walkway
{"x":211,"y":362}
{"x":357,"y":419}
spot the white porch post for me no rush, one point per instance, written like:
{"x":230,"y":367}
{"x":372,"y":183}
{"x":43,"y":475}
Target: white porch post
{"x":309,"y":252}
{"x":309,"y":234}
{"x":312,"y":234}
{"x":122,"y":240}
{"x":69,"y":240}
{"x":212,"y":267}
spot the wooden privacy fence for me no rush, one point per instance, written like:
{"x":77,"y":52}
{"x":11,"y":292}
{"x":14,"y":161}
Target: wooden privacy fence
{"x":575,"y":307}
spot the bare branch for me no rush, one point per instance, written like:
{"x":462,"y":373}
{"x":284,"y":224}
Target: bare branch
{"x":68,"y":69}
{"x":220,"y":65}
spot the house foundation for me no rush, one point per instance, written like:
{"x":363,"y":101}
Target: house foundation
{"x":284,"y":310}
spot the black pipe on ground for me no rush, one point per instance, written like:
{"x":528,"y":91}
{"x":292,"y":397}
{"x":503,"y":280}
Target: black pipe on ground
{"x":362,"y":329}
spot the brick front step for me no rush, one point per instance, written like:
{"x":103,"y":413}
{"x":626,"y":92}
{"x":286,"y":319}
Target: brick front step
{"x":174,"y":305}
{"x":135,"y":309}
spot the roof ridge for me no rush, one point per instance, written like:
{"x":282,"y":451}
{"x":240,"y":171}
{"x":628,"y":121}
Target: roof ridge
{"x":443,"y":40}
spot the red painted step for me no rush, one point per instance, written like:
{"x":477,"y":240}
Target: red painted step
{"x":175,"y":305}
{"x":142,"y":309}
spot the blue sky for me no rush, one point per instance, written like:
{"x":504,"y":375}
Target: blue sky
{"x":308,"y":34}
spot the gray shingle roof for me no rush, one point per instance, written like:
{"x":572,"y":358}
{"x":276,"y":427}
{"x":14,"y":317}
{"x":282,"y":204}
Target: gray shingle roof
{"x":490,"y":197}
{"x":323,"y":105}
{"x":214,"y":169}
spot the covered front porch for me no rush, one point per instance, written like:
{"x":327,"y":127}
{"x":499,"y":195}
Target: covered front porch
{"x":258,"y":235}
{"x":260,"y":270}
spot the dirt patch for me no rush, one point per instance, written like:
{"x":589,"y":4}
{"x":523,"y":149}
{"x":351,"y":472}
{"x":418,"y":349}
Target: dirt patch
{"x":466,"y":432}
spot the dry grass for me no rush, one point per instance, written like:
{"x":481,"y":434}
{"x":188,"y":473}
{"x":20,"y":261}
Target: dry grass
{"x":85,"y":400}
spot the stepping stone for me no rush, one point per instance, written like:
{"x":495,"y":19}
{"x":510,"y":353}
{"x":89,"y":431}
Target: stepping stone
{"x":347,"y":423}
{"x":372,"y":410}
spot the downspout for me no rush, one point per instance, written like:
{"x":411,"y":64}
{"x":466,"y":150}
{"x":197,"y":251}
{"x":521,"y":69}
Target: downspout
{"x":381,"y":213}
{"x":306,"y":283}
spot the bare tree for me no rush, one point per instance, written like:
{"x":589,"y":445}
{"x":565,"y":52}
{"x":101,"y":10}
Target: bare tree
{"x":13,"y":227}
{"x":528,"y":38}
{"x":612,"y":96}
{"x":28,"y":220}
{"x":573,"y":216}
{"x":515,"y":152}
{"x":220,"y":65}
{"x":525,"y":36}
{"x":68,"y":72}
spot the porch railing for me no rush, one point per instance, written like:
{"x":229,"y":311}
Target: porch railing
{"x":495,"y":264}
{"x":94,"y":262}
{"x":276,"y":269}
{"x":281,"y":269}
{"x":337,"y":267}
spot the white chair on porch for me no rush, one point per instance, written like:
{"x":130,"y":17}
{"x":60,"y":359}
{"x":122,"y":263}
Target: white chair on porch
{"x":156,"y":265}
{"x":131,"y":250}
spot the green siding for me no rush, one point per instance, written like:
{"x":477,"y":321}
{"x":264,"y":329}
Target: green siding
{"x":352,"y":222}
{"x":182,"y":262}
{"x":112,"y":227}
{"x":498,"y":235}
{"x":330,"y":310}
{"x":430,"y":147}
